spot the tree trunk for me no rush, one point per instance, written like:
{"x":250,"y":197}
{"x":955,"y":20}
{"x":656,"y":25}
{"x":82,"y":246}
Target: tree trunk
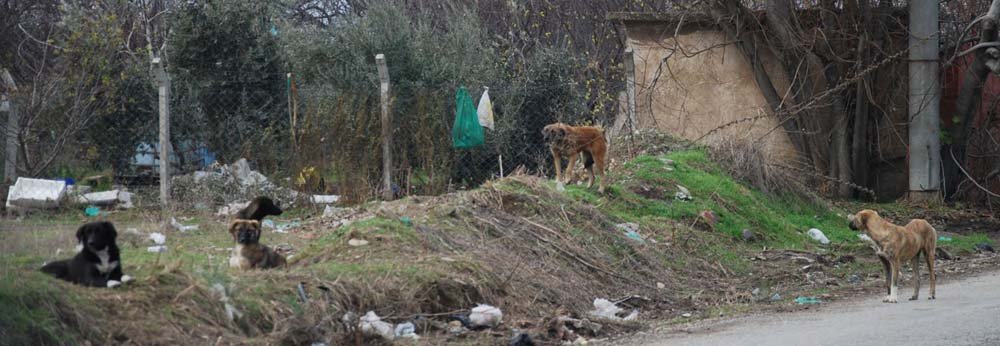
{"x":967,"y":105}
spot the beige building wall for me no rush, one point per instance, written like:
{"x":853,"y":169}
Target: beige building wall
{"x":704,"y":82}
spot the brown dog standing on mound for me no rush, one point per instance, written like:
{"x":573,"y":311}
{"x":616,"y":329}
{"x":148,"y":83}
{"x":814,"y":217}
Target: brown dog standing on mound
{"x":897,"y":244}
{"x":249,"y":253}
{"x":569,"y":141}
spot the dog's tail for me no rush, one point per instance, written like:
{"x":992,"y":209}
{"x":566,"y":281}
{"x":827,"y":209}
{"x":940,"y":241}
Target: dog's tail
{"x":59,"y":269}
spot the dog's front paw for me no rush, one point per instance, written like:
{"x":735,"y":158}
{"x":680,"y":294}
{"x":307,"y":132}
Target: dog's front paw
{"x":114,"y":283}
{"x":913,"y":298}
{"x":889,"y":299}
{"x":930,"y":298}
{"x":126,"y":279}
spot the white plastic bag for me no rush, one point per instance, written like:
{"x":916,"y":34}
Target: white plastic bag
{"x":818,"y":235}
{"x":485,"y":110}
{"x":371,"y":324}
{"x":485,"y":316}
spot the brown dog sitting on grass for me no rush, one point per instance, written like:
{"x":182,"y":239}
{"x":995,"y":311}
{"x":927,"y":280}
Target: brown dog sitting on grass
{"x":249,"y":253}
{"x":897,"y":244}
{"x":569,"y":141}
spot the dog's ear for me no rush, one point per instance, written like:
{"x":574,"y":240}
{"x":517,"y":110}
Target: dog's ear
{"x":109,"y":229}
{"x":250,"y":210}
{"x":82,"y":233}
{"x":232,"y":227}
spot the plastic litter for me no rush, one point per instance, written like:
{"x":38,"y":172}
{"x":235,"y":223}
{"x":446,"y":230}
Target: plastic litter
{"x":485,"y":316}
{"x":406,"y":330}
{"x":818,"y":235}
{"x":604,"y":308}
{"x":807,"y":300}
{"x":485,"y":110}
{"x":231,"y":311}
{"x":944,"y":238}
{"x":854,"y":279}
{"x":36,"y":193}
{"x":466,"y":133}
{"x":406,"y":220}
{"x":158,"y":238}
{"x":180,"y":227}
{"x":325,"y":199}
{"x":634,"y":236}
{"x":776,"y":297}
{"x":103,"y":198}
{"x":686,"y":315}
{"x":92,"y":211}
{"x":985,"y":247}
{"x":157,"y":249}
{"x":683,"y":194}
{"x":371,"y":324}
{"x":628,"y":226}
{"x":280,"y":227}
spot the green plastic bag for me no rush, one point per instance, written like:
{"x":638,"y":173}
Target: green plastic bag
{"x":466,"y":133}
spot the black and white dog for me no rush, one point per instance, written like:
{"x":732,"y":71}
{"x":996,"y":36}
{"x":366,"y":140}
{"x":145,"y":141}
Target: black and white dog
{"x":259,"y":208}
{"x":97,"y":264}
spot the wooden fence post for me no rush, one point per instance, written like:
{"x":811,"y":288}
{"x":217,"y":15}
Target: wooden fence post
{"x":10,"y":160}
{"x":383,"y":77}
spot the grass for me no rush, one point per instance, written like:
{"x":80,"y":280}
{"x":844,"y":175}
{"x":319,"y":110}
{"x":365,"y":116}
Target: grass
{"x":965,"y":244}
{"x":28,"y":302}
{"x":401,"y":266}
{"x":781,"y":220}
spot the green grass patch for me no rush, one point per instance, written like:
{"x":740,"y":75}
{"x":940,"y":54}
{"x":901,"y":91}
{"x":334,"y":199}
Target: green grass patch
{"x":648,"y":185}
{"x":966,"y":243}
{"x":30,"y":314}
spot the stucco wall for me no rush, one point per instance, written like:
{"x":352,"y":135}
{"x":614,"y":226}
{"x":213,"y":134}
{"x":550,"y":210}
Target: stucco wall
{"x":706,"y":85}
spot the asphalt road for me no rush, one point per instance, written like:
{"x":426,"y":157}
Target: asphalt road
{"x":966,"y":312}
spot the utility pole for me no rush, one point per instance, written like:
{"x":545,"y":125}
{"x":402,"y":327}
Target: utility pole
{"x":924,"y":98}
{"x":383,"y":77}
{"x":163,"y":85}
{"x":6,"y":104}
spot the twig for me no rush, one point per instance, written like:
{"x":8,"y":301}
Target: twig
{"x":987,"y":191}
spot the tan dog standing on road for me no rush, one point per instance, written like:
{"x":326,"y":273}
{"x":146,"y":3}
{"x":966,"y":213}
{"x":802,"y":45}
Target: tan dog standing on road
{"x":569,"y":141}
{"x":898,"y":244}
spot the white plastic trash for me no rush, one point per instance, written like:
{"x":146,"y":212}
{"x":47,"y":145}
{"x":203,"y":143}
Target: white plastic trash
{"x":157,"y":249}
{"x":406,"y":330}
{"x":604,"y":308}
{"x":158,"y":238}
{"x":36,"y":193}
{"x":371,"y":324}
{"x":485,"y":316}
{"x":485,"y":110}
{"x":818,"y":235}
{"x":181,"y":227}
{"x":325,"y":199}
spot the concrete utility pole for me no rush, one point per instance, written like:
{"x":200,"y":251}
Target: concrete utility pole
{"x":924,"y":97}
{"x":163,"y":84}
